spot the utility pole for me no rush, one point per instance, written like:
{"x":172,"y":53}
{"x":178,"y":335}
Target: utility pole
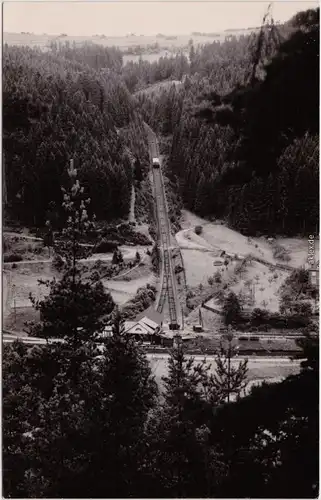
{"x":229,"y":338}
{"x":5,"y":193}
{"x":14,"y":304}
{"x":228,"y":371}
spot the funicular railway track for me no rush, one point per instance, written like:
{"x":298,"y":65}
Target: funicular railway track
{"x":168,"y":286}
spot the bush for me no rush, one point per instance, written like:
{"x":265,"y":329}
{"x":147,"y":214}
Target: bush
{"x":12,"y":257}
{"x":218,"y":277}
{"x":281,"y":253}
{"x":117,"y":257}
{"x":57,"y":262}
{"x":231,"y":309}
{"x":198,"y":230}
{"x":259,"y":316}
{"x":137,"y":257}
{"x":7,"y":244}
{"x":105,"y":245}
{"x":190,"y":294}
{"x":142,"y":300}
{"x":302,"y":309}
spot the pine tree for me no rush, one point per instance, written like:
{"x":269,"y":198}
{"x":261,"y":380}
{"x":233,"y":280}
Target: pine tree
{"x":75,"y":310}
{"x":178,"y":435}
{"x":129,"y":393}
{"x":231,"y":309}
{"x":228,"y":379}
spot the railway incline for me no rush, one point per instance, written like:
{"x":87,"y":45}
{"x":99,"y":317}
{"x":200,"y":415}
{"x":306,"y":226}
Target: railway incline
{"x":168,"y":295}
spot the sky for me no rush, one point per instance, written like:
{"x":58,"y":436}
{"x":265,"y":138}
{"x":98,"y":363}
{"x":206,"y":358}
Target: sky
{"x":117,"y":18}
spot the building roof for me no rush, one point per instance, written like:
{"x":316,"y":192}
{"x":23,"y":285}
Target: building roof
{"x":150,"y":313}
{"x":149,"y":322}
{"x":140,"y":327}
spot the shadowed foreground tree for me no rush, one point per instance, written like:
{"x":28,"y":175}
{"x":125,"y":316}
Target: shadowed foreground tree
{"x":75,"y":437}
{"x":179,"y":463}
{"x":273,"y":437}
{"x":104,"y":437}
{"x":128,"y":393}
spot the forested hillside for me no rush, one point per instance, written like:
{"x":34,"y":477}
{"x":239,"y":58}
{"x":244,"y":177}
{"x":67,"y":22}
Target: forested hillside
{"x":57,"y":107}
{"x":240,"y":132}
{"x":244,"y":129}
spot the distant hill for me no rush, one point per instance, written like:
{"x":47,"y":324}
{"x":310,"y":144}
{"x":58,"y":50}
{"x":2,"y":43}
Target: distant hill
{"x":123,"y":42}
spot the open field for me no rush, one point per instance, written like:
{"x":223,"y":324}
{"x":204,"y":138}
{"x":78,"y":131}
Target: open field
{"x":123,"y":42}
{"x":211,"y":322}
{"x":217,"y":237}
{"x":159,"y":86}
{"x":220,"y":237}
{"x":135,"y":58}
{"x":258,"y":283}
{"x":22,"y":280}
{"x":198,"y":265}
{"x":265,"y":284}
{"x":123,"y":290}
{"x":26,"y":246}
{"x":298,"y":248}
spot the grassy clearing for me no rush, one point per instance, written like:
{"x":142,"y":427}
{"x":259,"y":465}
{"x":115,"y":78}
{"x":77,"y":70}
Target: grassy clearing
{"x":264,"y":283}
{"x":198,"y":266}
{"x":23,"y":248}
{"x":224,"y":238}
{"x":22,"y":280}
{"x":157,"y":87}
{"x":16,"y":320}
{"x":298,"y":249}
{"x":122,"y":290}
{"x":257,"y":281}
{"x":145,"y":57}
{"x":212,"y":322}
{"x":190,"y":220}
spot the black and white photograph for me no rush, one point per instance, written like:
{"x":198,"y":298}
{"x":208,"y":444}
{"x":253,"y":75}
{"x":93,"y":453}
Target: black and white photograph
{"x":160,"y":249}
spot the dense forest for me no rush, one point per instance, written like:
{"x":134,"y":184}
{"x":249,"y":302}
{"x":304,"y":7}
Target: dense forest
{"x":57,"y":108}
{"x":243,"y":130}
{"x":239,"y":127}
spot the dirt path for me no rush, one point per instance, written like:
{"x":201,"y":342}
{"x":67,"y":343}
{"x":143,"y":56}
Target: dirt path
{"x":188,"y":240}
{"x":21,"y":235}
{"x":131,"y":217}
{"x":5,"y":294}
{"x":128,"y":253}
